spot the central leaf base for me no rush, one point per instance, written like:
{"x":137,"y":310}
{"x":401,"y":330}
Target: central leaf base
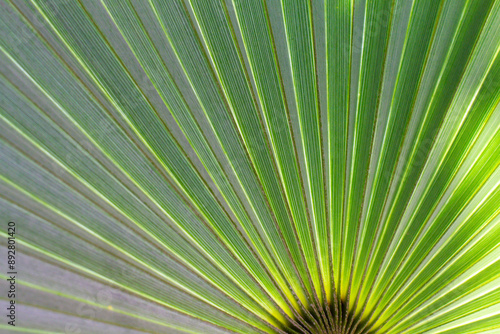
{"x":328,"y":319}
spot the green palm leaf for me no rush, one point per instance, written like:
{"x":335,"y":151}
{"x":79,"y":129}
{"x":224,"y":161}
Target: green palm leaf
{"x":247,"y":166}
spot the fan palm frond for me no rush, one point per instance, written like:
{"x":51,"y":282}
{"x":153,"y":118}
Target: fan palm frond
{"x":250,"y":166}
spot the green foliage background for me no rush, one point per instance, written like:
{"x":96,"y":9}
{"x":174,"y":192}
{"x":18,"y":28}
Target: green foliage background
{"x":252,"y":166}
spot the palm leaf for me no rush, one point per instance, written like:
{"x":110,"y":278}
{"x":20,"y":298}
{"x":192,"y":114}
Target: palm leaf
{"x":246,"y":166}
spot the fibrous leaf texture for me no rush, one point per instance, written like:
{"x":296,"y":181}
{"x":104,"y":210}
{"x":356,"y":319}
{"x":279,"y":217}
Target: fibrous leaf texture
{"x":251,"y":166}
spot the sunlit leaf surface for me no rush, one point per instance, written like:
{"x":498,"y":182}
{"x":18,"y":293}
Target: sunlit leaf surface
{"x":251,"y":166}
